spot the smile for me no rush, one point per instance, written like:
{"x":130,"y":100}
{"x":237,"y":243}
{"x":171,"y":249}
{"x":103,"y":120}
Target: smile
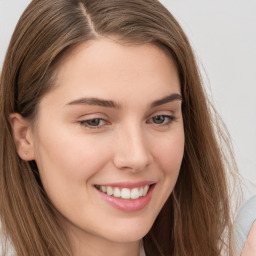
{"x":124,"y":193}
{"x":127,"y":197}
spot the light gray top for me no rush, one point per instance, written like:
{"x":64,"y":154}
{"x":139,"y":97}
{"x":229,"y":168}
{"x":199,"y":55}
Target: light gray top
{"x":142,"y":251}
{"x":243,"y":223}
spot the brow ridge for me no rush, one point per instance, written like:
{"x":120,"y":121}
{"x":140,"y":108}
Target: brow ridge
{"x":169,"y":98}
{"x":96,"y":101}
{"x":112,"y":104}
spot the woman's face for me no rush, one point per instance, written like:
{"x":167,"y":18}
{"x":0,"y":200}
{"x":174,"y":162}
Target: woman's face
{"x":109,"y":139}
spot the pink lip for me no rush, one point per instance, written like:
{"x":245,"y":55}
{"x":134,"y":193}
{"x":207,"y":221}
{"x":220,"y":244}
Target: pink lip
{"x":128,"y":205}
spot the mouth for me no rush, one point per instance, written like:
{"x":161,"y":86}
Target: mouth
{"x":127,"y":197}
{"x":125,"y":192}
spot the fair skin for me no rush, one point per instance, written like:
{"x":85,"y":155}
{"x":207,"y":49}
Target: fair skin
{"x":250,"y":245}
{"x":128,"y":140}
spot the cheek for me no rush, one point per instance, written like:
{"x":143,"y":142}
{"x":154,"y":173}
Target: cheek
{"x":70,"y":158}
{"x":67,"y":167}
{"x":169,"y":153}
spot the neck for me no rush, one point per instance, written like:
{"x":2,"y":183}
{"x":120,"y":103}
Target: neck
{"x":90,"y":245}
{"x":102,"y":248}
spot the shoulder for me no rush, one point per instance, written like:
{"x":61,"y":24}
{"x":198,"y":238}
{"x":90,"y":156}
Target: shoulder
{"x":245,"y":219}
{"x":249,"y":248}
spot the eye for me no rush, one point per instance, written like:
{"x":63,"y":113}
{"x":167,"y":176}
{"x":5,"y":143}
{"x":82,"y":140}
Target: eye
{"x":93,"y":123}
{"x":161,"y":119}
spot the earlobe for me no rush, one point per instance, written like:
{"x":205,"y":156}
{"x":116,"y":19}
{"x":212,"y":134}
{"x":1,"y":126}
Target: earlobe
{"x":22,"y":134}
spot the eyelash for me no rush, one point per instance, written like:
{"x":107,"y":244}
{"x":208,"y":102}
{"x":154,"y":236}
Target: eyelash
{"x":167,"y":121}
{"x":86,"y":123}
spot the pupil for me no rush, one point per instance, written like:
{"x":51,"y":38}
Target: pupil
{"x":158,"y":119}
{"x":94,"y":122}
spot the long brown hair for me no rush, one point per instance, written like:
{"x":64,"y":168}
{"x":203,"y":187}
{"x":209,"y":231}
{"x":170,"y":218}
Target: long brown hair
{"x":196,"y":216}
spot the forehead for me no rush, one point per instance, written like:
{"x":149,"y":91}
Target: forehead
{"x":102,"y":55}
{"x":107,"y":69}
{"x":108,"y":48}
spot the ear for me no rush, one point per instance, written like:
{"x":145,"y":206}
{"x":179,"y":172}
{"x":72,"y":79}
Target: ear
{"x":22,"y":134}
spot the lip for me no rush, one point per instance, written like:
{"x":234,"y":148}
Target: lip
{"x":128,"y":205}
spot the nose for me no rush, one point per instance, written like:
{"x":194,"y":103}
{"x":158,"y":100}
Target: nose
{"x":132,"y":150}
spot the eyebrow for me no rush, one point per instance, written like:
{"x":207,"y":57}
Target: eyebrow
{"x":112,"y":104}
{"x":96,"y":102}
{"x":170,"y":98}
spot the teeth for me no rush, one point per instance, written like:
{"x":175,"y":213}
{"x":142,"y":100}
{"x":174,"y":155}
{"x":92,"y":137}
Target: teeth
{"x":141,"y":191}
{"x":135,"y":193}
{"x":124,"y":193}
{"x":117,"y":192}
{"x":145,"y":190}
{"x":110,"y":191}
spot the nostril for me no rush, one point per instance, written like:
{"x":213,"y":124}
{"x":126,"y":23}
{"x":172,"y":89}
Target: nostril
{"x":134,"y":161}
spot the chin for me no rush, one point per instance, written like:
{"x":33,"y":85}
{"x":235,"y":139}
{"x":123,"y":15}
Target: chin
{"x":131,"y":233}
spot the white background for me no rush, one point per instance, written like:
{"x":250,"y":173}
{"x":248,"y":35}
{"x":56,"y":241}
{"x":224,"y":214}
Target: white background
{"x":223,"y":35}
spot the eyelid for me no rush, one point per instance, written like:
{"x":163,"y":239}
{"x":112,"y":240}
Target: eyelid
{"x":170,"y":108}
{"x":92,"y":115}
{"x":84,"y":120}
{"x":159,"y":112}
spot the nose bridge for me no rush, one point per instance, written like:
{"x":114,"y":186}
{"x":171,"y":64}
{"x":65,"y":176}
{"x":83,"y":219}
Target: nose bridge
{"x":132,"y":151}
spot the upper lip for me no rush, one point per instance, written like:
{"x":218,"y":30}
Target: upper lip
{"x":127,"y":184}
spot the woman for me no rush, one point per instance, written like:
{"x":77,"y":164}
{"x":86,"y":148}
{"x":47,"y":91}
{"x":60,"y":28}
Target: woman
{"x":107,"y":141}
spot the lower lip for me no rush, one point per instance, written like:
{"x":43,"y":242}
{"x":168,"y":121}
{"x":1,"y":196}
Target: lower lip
{"x":128,"y":205}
